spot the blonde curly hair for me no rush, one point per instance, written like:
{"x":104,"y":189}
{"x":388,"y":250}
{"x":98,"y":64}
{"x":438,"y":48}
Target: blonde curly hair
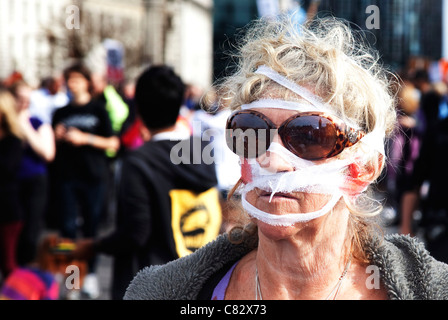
{"x":332,"y":60}
{"x":9,"y":121}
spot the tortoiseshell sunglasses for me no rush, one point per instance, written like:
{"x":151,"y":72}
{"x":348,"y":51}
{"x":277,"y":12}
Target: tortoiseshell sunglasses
{"x":308,"y":135}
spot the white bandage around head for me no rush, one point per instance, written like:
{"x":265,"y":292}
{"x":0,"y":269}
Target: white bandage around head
{"x":374,"y":139}
{"x":308,"y":177}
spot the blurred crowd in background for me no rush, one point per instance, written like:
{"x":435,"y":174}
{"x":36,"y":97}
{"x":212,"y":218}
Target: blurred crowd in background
{"x":60,"y":164}
{"x":36,"y":168}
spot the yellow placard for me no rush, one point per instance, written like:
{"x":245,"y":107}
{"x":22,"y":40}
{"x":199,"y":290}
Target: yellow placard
{"x":196,"y":219}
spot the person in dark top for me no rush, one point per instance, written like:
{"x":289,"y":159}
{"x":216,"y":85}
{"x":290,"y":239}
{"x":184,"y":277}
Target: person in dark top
{"x":430,"y":168}
{"x":428,"y":184}
{"x":10,"y":157}
{"x":83,"y":133}
{"x":404,"y":146}
{"x":168,"y":203}
{"x":39,"y":149}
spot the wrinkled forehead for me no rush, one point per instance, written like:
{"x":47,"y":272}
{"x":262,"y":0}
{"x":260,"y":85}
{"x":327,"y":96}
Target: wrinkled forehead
{"x":301,"y":91}
{"x":284,"y":105}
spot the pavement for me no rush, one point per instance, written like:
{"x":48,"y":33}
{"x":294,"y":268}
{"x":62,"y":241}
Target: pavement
{"x":104,"y":266}
{"x":104,"y":273}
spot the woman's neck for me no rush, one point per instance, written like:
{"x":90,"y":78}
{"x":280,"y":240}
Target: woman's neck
{"x":306,"y":266}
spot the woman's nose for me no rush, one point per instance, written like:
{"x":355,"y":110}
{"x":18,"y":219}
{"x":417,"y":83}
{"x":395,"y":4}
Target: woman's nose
{"x":274,"y":162}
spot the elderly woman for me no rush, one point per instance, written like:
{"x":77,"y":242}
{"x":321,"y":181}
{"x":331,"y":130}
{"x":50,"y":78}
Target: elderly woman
{"x":311,"y":113}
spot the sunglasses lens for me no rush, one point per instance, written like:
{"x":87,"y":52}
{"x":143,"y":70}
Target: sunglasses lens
{"x":248,"y":135}
{"x":310,"y":137}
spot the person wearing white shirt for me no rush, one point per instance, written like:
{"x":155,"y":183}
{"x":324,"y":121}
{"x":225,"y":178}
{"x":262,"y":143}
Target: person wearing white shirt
{"x":49,"y":97}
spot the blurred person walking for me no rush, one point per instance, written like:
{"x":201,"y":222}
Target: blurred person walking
{"x":105,"y":94}
{"x":405,"y":146}
{"x":44,"y":101}
{"x":114,"y":103}
{"x":133,"y":133}
{"x":427,"y":187}
{"x":39,"y":149}
{"x":212,"y":119}
{"x":83,"y":134}
{"x":10,"y":156}
{"x":48,"y":98}
{"x":166,"y":208}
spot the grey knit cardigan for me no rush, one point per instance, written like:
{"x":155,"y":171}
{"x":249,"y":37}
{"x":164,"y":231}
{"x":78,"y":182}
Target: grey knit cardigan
{"x":406,"y":268}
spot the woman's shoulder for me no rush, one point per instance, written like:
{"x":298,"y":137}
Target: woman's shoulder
{"x":408,"y":270}
{"x":185,"y":277}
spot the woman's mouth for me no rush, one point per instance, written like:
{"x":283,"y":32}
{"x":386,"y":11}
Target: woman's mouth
{"x":277,"y":195}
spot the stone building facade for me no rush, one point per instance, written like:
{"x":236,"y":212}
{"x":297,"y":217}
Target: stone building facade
{"x":41,"y":37}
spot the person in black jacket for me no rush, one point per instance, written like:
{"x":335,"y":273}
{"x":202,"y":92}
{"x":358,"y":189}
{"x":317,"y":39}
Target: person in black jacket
{"x":168,"y":202}
{"x":430,"y":169}
{"x":83,"y":134}
{"x":11,"y":152}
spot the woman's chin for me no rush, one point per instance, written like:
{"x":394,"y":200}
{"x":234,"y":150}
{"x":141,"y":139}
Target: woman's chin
{"x":279,"y":204}
{"x":275,"y":232}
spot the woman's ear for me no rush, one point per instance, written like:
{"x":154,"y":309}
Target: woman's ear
{"x":366,"y":171}
{"x":361,"y":174}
